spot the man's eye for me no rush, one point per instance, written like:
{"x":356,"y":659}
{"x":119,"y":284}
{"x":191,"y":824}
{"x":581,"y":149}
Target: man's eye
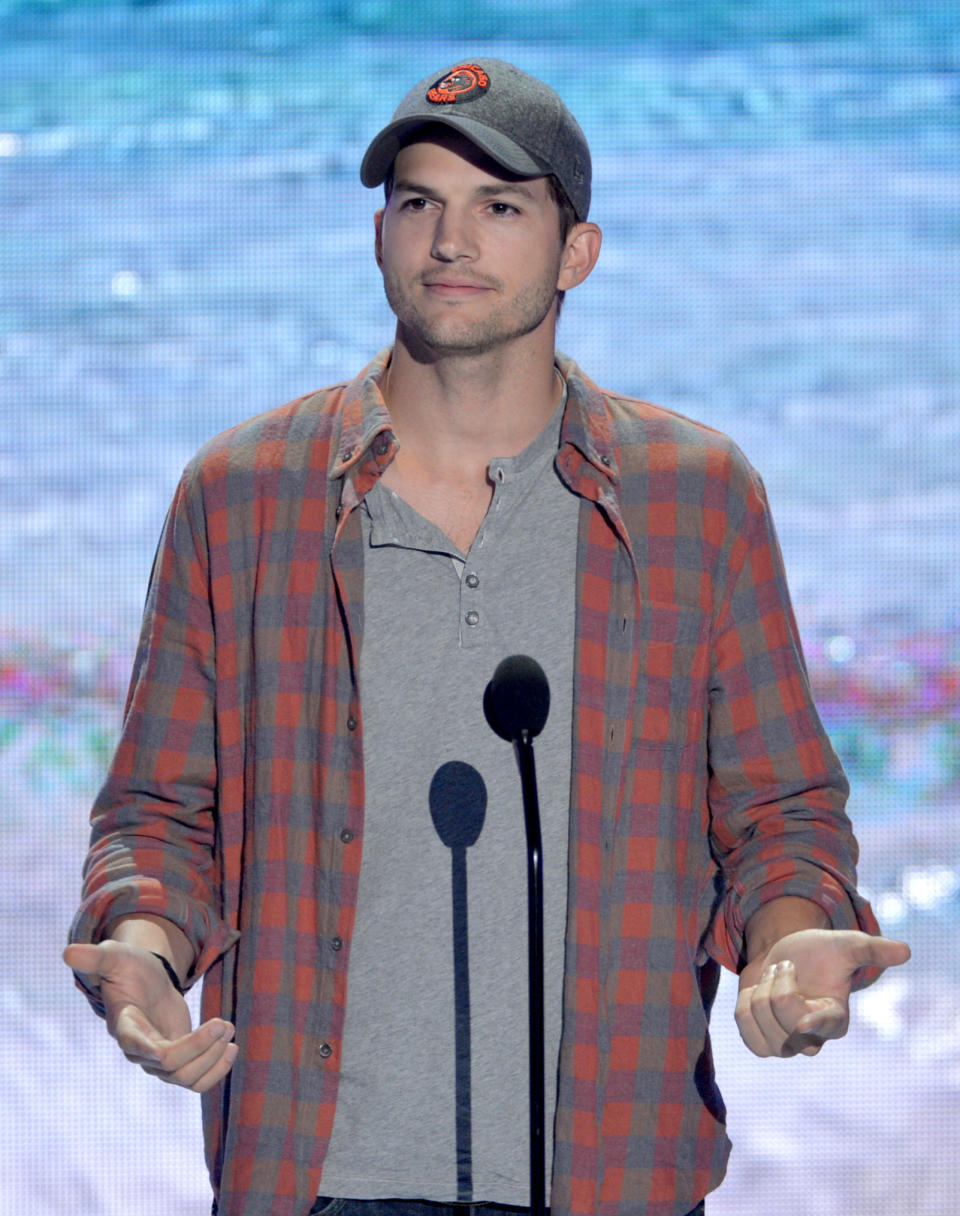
{"x":414,"y":204}
{"x":502,"y":209}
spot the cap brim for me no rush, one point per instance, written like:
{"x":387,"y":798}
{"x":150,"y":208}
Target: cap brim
{"x":383,"y":150}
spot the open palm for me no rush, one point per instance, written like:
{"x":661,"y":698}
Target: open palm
{"x":150,"y":1020}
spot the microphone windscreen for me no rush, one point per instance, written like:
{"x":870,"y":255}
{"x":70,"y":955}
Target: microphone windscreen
{"x":458,"y":804}
{"x":517,"y":699}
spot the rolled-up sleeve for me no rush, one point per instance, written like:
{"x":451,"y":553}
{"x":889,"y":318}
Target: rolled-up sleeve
{"x":776,"y":789}
{"x":153,"y":836}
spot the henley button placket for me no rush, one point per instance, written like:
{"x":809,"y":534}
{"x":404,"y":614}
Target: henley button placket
{"x":471,"y":609}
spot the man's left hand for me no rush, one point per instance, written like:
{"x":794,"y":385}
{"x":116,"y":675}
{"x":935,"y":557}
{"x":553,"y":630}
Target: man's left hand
{"x":797,"y":995}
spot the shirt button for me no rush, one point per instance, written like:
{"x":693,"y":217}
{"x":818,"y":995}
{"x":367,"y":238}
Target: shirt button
{"x":605,"y":461}
{"x":472,"y":618}
{"x":324,"y":1051}
{"x":383,"y":446}
{"x":346,"y":453}
{"x":346,"y":835}
{"x":472,"y":580}
{"x":351,"y":723}
{"x":337,"y":943}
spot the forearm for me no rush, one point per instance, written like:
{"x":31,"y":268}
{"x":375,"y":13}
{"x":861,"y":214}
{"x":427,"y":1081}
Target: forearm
{"x":156,"y":934}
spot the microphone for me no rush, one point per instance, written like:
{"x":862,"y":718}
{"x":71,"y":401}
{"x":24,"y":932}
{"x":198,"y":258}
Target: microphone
{"x":458,"y":807}
{"x":516,"y":703}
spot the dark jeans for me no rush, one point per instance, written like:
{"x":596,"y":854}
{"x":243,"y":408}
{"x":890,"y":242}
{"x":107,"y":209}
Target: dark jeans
{"x":422,"y":1207}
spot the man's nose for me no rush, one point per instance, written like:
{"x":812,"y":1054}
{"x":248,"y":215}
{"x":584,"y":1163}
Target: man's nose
{"x":453,"y":237}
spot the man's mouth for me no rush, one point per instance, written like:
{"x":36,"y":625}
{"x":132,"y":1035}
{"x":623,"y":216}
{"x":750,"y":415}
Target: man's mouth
{"x":455,"y":287}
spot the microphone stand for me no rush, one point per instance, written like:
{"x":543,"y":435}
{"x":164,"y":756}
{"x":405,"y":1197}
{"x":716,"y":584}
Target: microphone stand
{"x":516,"y":703}
{"x":523,"y":749}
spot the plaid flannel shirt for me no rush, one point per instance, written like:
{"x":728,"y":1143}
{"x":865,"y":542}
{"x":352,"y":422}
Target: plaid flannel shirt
{"x":703,"y":784}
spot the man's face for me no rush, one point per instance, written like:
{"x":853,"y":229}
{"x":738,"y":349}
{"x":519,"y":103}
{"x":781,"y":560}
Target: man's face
{"x":470,"y":254}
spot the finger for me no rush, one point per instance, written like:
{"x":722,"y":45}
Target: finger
{"x":216,"y":1073}
{"x":202,"y":1070}
{"x":751,"y":1033}
{"x":745,"y":1025}
{"x":787,"y":1004}
{"x":219,"y":1071}
{"x":192,"y":1054}
{"x":808,"y":1023}
{"x":761,"y":1012}
{"x":778,"y":1007}
{"x":748,"y":1001}
{"x":186,"y":1061}
{"x":802,"y":1045}
{"x":212,"y":1036}
{"x":827,"y":1019}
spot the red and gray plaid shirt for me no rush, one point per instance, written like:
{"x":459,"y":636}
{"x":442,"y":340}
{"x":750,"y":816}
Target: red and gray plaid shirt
{"x":703,"y":784}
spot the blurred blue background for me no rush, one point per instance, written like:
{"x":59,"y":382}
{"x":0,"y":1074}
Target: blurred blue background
{"x":184,"y":242}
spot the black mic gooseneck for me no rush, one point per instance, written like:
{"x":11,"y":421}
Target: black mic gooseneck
{"x":516,"y":703}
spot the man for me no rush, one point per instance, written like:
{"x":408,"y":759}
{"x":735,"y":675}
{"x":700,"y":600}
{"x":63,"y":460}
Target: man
{"x":336,"y":582}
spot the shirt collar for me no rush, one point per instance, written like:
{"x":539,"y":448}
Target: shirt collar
{"x":587,"y":424}
{"x":364,"y":418}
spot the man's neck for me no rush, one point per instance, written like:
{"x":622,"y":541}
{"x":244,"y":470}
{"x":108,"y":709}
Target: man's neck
{"x":453,"y":415}
{"x":461,"y":410}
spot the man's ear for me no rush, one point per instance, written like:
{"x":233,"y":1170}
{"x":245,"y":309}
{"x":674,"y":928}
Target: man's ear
{"x":378,"y":237}
{"x":579,"y":255}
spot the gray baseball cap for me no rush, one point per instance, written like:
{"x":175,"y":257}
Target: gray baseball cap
{"x":516,"y":119}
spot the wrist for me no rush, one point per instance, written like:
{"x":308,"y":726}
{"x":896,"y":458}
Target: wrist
{"x":168,"y":967}
{"x":156,"y":935}
{"x":777,"y":919}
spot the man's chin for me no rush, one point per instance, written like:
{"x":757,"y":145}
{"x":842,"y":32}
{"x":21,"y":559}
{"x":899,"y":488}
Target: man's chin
{"x":450,"y":340}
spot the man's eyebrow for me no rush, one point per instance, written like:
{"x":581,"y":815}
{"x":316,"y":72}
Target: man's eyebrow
{"x":486,"y":191}
{"x":505,"y":188}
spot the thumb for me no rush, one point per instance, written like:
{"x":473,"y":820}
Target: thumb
{"x":880,"y":951}
{"x":86,"y":959}
{"x":869,"y":956}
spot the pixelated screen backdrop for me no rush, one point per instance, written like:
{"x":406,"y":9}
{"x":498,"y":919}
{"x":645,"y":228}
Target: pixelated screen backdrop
{"x":185,"y":242}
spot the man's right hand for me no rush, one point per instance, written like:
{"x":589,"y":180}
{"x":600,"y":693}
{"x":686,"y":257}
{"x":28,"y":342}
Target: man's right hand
{"x":150,"y":1020}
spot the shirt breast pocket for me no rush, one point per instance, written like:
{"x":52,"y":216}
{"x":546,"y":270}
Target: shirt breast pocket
{"x":673,"y":643}
{"x":668,"y":816}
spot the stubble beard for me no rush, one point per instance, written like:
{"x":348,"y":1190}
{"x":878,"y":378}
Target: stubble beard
{"x":457,"y":334}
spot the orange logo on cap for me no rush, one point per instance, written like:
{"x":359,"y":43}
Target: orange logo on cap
{"x":465,"y":82}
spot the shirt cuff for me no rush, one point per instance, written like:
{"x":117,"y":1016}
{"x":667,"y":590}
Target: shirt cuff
{"x":839,"y":899}
{"x":209,"y":936}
